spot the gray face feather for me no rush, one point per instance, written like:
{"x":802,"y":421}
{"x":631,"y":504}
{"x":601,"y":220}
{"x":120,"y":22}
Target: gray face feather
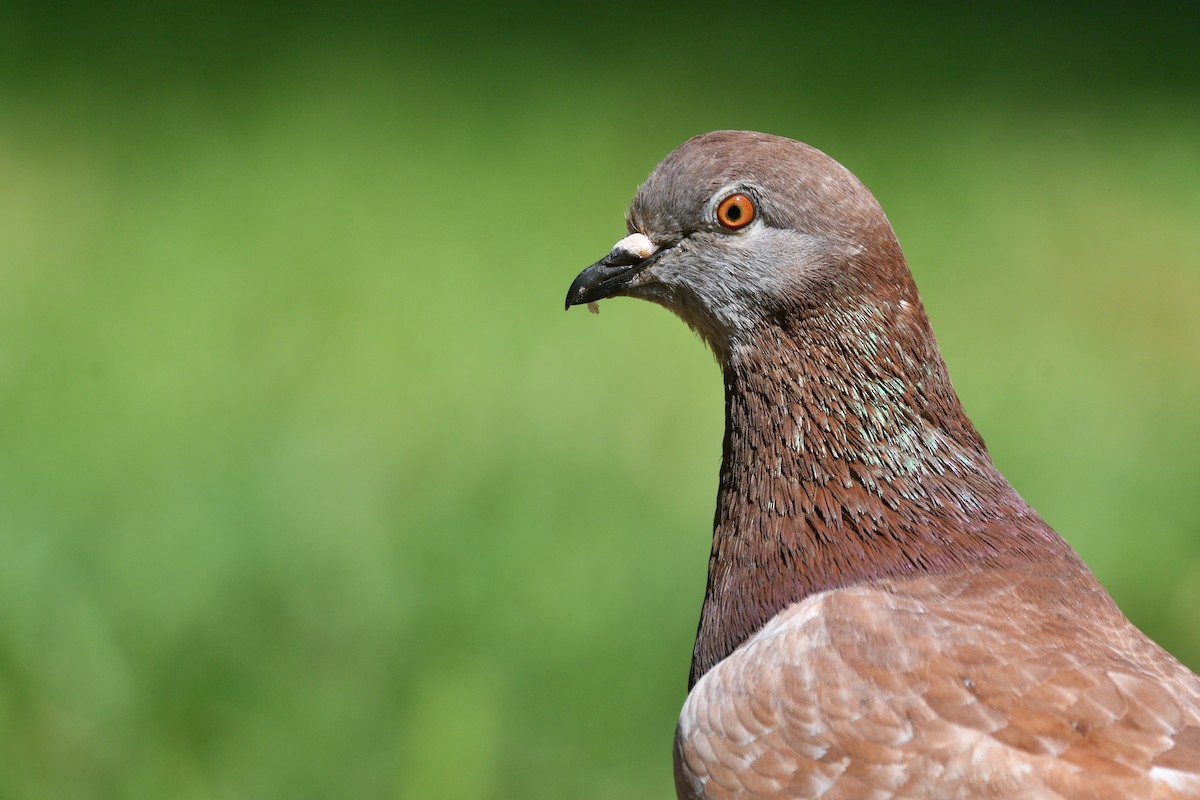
{"x":813,"y":221}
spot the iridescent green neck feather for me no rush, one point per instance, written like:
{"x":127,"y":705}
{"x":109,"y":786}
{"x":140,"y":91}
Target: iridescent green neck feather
{"x":848,"y":458}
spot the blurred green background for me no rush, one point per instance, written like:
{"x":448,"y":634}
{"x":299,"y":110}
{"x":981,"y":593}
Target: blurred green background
{"x":308,"y":486}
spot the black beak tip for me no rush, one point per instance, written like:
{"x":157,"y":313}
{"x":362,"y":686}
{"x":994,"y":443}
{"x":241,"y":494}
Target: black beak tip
{"x":575,"y":295}
{"x":589,"y":285}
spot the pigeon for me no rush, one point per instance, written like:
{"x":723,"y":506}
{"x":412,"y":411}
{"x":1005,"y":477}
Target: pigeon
{"x":885,"y":617}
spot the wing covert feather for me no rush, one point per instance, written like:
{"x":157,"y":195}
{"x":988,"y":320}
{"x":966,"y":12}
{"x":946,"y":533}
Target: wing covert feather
{"x":949,"y":687}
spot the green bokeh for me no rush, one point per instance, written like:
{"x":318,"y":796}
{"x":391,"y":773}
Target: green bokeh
{"x":308,"y":487}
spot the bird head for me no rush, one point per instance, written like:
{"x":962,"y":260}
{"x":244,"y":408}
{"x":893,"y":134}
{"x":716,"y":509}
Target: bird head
{"x":736,"y":231}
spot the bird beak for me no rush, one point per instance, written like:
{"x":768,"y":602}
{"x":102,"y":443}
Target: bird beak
{"x":612,"y":273}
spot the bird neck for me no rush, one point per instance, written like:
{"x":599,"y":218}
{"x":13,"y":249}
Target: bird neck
{"x":847,"y":458}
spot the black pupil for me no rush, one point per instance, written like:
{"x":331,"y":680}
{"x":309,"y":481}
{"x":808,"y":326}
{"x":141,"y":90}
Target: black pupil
{"x":734,"y":212}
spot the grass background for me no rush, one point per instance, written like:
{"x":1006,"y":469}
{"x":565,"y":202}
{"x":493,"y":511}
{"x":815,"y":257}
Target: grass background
{"x":308,"y":487}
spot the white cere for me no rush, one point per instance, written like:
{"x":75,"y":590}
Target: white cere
{"x":638,"y":244}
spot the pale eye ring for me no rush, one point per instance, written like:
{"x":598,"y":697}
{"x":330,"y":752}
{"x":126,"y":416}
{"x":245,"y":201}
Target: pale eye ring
{"x":736,"y":211}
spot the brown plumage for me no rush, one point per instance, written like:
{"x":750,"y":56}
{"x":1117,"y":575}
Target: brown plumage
{"x":885,"y":616}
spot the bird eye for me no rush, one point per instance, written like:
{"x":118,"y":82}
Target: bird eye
{"x":735,"y":211}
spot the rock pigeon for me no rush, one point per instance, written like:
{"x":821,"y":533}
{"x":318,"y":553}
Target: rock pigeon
{"x":885,"y":617}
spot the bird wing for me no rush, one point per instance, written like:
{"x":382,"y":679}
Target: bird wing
{"x":992,"y":683}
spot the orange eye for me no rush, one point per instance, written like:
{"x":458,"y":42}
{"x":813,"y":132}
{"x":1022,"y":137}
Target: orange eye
{"x":735,"y":211}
